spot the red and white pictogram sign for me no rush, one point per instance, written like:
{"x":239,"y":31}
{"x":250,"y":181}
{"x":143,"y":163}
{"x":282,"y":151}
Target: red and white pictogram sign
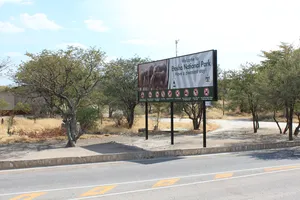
{"x":163,"y":94}
{"x":177,"y":93}
{"x":142,"y":95}
{"x":170,"y":93}
{"x":196,"y":92}
{"x":150,"y":94}
{"x":157,"y":94}
{"x":186,"y":92}
{"x":206,"y":91}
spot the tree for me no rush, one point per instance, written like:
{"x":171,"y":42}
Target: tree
{"x":3,"y":105}
{"x":283,"y":67}
{"x":297,"y":113}
{"x":223,"y":83}
{"x":121,"y":85}
{"x":244,"y":91}
{"x":194,"y":110}
{"x":4,"y":64}
{"x":66,"y":77}
{"x":158,"y":109}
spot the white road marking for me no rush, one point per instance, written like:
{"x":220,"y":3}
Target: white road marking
{"x":150,"y":180}
{"x":181,"y":185}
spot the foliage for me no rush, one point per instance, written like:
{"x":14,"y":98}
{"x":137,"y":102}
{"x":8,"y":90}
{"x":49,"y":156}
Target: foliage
{"x":118,"y":117}
{"x":282,"y":71}
{"x":87,"y":117}
{"x":194,"y":111}
{"x":64,"y":78}
{"x":120,"y":82}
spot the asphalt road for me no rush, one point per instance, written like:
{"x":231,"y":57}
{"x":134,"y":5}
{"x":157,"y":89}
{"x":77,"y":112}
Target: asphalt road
{"x":272,"y":174}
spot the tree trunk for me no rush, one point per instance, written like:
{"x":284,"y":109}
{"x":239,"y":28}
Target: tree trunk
{"x":223,"y":108}
{"x":130,"y":117}
{"x":110,"y":111}
{"x":196,"y":124}
{"x":274,"y":117}
{"x":72,"y":132}
{"x":254,"y":121}
{"x":291,"y":114}
{"x":287,"y":120}
{"x":298,"y":127}
{"x":150,"y":108}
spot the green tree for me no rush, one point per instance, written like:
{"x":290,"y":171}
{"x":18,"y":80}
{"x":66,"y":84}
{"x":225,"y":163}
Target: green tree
{"x":223,"y":87}
{"x":67,"y":77}
{"x":283,"y":67}
{"x":244,"y":91}
{"x":121,"y":85}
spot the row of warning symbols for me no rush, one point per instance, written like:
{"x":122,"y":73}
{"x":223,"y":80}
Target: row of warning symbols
{"x":162,"y":93}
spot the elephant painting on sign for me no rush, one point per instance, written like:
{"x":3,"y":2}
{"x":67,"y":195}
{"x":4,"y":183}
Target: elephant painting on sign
{"x":145,"y":78}
{"x":159,"y":78}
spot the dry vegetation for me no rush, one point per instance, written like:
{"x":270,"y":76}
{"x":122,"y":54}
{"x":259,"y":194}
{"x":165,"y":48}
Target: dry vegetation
{"x":25,"y":130}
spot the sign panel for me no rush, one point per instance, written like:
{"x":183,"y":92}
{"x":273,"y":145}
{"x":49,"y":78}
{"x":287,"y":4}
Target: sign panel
{"x":190,"y":77}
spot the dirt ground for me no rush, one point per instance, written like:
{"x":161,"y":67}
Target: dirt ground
{"x":230,"y":132}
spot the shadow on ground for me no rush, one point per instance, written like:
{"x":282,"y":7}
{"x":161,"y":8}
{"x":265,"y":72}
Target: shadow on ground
{"x":281,"y":154}
{"x":113,"y":147}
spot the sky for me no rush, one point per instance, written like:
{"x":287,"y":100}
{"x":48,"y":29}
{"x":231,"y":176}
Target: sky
{"x":238,"y":30}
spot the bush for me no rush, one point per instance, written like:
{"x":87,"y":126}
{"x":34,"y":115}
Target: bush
{"x":87,"y":117}
{"x":118,"y":117}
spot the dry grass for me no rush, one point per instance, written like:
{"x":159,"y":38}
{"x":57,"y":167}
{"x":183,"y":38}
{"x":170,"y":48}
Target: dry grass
{"x":109,"y":127}
{"x":25,"y":130}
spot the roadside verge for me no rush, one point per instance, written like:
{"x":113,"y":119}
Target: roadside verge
{"x":17,"y":164}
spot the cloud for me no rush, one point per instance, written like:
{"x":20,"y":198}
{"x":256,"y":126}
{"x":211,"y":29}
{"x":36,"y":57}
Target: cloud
{"x":22,"y":2}
{"x":38,"y":21}
{"x":75,"y":44}
{"x":96,"y":25}
{"x":13,"y":54}
{"x":6,"y":27}
{"x":139,"y":42}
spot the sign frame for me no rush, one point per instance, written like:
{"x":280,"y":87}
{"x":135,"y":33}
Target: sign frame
{"x":209,"y":93}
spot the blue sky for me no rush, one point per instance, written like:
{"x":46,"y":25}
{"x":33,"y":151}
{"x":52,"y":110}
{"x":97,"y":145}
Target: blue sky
{"x":239,"y":30}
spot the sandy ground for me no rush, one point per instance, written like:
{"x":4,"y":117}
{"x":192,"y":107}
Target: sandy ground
{"x":230,"y":132}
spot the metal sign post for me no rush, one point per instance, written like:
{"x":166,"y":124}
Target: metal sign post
{"x":204,"y":124}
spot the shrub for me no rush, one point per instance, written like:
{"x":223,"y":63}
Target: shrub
{"x":118,"y":117}
{"x":87,"y":117}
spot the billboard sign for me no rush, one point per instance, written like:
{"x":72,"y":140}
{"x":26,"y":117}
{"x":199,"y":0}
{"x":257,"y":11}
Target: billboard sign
{"x":190,"y":77}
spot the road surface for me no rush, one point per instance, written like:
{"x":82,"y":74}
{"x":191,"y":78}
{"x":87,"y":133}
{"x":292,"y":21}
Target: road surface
{"x":268,"y":174}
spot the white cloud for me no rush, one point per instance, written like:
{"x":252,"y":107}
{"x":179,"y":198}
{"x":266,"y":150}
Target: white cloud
{"x":75,"y":44}
{"x":96,"y":25}
{"x":6,"y":27}
{"x":140,"y":42}
{"x":13,"y":54}
{"x":38,"y":21}
{"x":22,"y":2}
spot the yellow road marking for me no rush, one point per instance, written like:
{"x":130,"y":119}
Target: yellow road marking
{"x":280,"y":168}
{"x":28,"y":196}
{"x":165,"y":182}
{"x":226,"y":175}
{"x":98,"y":190}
